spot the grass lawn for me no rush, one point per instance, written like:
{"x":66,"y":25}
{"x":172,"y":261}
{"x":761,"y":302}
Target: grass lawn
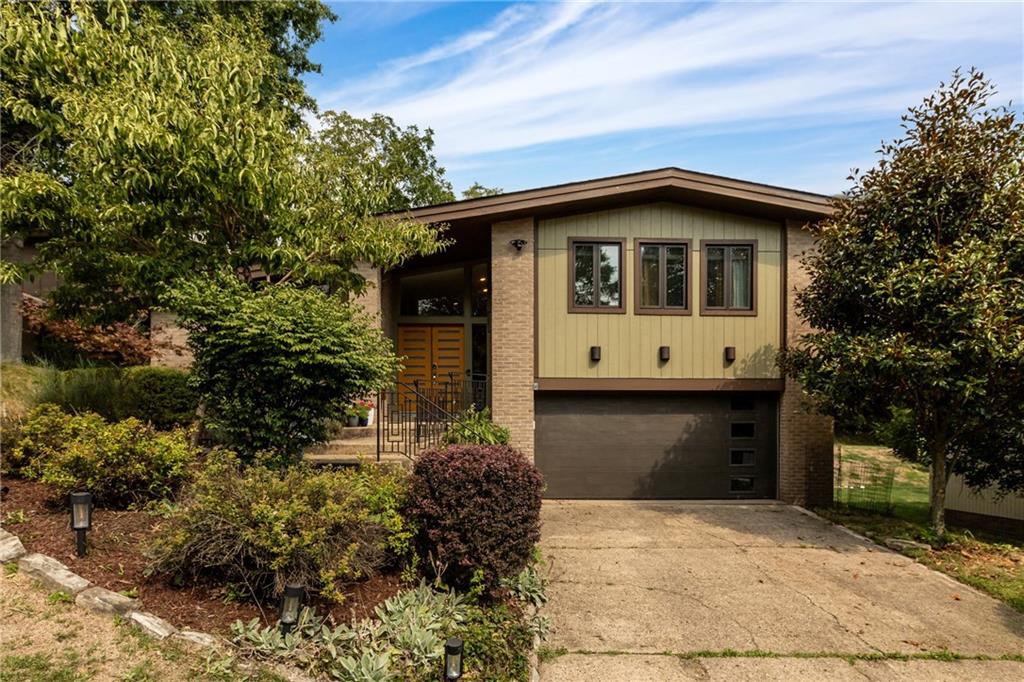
{"x":45,"y":637}
{"x":990,"y":564}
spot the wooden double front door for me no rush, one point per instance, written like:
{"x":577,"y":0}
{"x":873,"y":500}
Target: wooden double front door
{"x":433,"y":353}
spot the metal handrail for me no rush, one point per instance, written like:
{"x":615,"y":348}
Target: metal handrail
{"x":438,"y":415}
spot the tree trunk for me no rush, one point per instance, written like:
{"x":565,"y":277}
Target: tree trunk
{"x":939,"y":477}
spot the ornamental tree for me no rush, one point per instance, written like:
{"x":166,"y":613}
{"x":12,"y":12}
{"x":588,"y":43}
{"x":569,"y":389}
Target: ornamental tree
{"x":146,"y":154}
{"x":272,"y":363}
{"x":917,"y":291}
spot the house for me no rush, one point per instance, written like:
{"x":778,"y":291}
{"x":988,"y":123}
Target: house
{"x":624,"y":329}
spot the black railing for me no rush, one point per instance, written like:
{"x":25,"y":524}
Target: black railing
{"x":412,"y":417}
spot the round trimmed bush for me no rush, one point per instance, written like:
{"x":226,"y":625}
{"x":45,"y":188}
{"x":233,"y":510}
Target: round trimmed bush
{"x":158,"y":395}
{"x":478,"y":511}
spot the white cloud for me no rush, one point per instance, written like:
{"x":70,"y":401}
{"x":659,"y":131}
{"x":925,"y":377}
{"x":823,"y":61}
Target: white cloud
{"x":540,"y":73}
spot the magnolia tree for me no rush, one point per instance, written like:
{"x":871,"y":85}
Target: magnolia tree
{"x":917,"y":292}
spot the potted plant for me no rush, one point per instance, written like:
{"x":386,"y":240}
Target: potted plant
{"x":352,"y":415}
{"x":364,"y":409}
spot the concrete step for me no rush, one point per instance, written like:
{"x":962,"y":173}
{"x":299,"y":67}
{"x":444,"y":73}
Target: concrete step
{"x":355,"y":432}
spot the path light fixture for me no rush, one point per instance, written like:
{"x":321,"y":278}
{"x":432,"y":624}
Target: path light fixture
{"x":453,"y":659}
{"x":81,"y":518}
{"x":291,"y":604}
{"x":518,"y":244}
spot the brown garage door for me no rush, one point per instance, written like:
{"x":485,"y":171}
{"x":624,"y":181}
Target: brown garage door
{"x":651,"y":446}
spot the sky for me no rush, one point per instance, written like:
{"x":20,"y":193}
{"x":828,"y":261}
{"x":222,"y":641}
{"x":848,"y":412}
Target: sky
{"x":523,"y":95}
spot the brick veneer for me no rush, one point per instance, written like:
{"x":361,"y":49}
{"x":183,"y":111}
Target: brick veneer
{"x":371,"y":298}
{"x":805,"y":438}
{"x":512,"y":330}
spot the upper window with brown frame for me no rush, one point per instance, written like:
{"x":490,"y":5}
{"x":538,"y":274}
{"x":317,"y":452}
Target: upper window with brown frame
{"x":662,"y":277}
{"x":595,"y":275}
{"x":728,"y":278}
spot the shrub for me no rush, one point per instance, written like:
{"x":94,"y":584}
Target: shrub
{"x":478,"y":510}
{"x":121,"y":463}
{"x":92,"y":389}
{"x":158,"y":395}
{"x":272,"y":365}
{"x":261,"y":528}
{"x":476,"y":427}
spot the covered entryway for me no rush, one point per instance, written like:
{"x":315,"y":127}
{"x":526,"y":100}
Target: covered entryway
{"x":657,"y":445}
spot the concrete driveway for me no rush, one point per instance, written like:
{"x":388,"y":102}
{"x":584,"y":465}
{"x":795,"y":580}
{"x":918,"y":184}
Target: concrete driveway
{"x":664,"y":591}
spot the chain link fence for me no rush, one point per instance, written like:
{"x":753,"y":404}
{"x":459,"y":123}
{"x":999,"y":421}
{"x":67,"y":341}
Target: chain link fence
{"x":863,"y":484}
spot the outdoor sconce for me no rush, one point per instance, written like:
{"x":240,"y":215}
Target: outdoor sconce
{"x":595,"y":353}
{"x":518,"y":244}
{"x":730,"y":353}
{"x":453,"y":659}
{"x":81,"y":518}
{"x":663,"y":353}
{"x":291,"y":603}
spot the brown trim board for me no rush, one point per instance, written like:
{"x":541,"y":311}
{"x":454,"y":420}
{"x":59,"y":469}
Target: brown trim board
{"x":636,"y":384}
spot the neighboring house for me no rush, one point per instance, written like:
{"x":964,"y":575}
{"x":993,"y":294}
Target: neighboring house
{"x":984,"y":509}
{"x":625,"y":329}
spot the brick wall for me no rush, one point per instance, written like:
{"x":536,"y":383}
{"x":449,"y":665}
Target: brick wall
{"x":805,"y":438}
{"x":170,"y":342}
{"x":371,"y":298}
{"x":512,"y":330}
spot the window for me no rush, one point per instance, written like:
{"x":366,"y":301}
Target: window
{"x":727,"y":277}
{"x":742,"y":430}
{"x":662,"y":277}
{"x":438,"y":293}
{"x":741,"y":484}
{"x":595,"y":272}
{"x":741,"y":458}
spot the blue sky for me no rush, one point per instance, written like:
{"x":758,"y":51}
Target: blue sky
{"x":529,"y":94}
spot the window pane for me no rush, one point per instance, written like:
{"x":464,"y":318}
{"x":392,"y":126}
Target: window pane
{"x":715,"y":277}
{"x":584,"y":275}
{"x":434,"y":293}
{"x":610,"y":293}
{"x":481,"y":291}
{"x":740,"y":270}
{"x":675,"y":276}
{"x":650,"y":257}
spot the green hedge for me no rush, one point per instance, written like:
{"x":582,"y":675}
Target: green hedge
{"x":156,"y":395}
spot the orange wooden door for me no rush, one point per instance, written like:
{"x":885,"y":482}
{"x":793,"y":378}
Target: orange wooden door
{"x":432,"y":355}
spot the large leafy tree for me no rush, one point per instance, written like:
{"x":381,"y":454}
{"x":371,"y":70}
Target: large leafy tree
{"x":155,"y":155}
{"x":476,"y":190}
{"x":917,"y":291}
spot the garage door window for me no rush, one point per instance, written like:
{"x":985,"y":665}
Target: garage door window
{"x":742,"y":430}
{"x":728,"y":276}
{"x":741,"y":458}
{"x":741,"y":484}
{"x":595,"y":274}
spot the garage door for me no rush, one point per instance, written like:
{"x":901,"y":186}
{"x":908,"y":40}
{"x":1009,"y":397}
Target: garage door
{"x":657,"y":446}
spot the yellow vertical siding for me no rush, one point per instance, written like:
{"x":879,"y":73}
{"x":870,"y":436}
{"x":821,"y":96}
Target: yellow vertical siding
{"x":629,"y":343}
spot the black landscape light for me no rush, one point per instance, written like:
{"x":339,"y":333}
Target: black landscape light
{"x":81,"y":518}
{"x":453,"y":659}
{"x":291,"y":604}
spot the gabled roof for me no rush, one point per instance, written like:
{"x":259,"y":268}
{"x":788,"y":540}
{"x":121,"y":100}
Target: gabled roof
{"x":664,"y":184}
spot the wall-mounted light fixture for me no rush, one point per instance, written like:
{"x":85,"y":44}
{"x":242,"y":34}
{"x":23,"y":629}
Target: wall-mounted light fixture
{"x":81,"y":518}
{"x":291,"y":604}
{"x":518,"y":244}
{"x":730,"y":353}
{"x":595,"y":353}
{"x":663,"y":353}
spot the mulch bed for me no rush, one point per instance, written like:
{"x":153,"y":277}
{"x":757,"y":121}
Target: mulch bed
{"x":115,"y":560}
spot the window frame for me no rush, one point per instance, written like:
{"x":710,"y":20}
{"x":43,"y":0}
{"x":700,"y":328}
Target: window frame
{"x":571,"y":260}
{"x":663,"y":309}
{"x":726,"y":311}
